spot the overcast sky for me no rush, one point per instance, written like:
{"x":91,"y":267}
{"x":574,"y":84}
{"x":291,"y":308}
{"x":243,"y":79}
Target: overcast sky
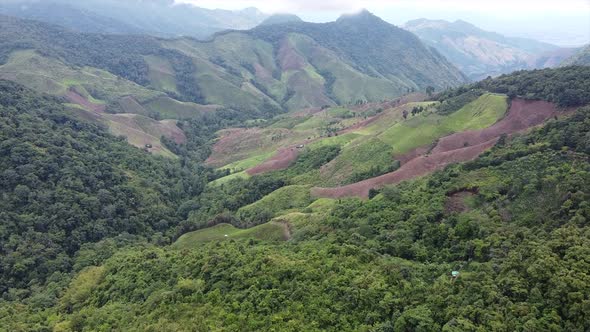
{"x":564,"y":22}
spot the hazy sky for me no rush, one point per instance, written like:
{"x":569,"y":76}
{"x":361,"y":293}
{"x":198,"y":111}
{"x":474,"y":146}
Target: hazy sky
{"x":564,"y":22}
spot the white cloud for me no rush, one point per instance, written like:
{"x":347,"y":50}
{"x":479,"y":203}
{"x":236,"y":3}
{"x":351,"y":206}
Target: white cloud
{"x":524,"y":7}
{"x":566,"y":22}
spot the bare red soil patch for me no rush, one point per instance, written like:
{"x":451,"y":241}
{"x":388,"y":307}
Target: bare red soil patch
{"x":456,"y":201}
{"x":523,"y":114}
{"x":416,"y":167}
{"x":281,"y":160}
{"x":75,"y":98}
{"x":459,"y":147}
{"x":169,"y":129}
{"x":289,"y":58}
{"x":230,"y":142}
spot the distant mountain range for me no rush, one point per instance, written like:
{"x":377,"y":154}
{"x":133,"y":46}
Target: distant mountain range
{"x":160,"y":18}
{"x":479,"y":53}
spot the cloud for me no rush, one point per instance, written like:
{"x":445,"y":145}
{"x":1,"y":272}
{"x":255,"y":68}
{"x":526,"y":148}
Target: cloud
{"x":490,"y":6}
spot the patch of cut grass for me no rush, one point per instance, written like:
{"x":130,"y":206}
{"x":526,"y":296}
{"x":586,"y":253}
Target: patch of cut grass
{"x":280,"y":201}
{"x":248,"y":163}
{"x":271,"y":231}
{"x":226,"y":179}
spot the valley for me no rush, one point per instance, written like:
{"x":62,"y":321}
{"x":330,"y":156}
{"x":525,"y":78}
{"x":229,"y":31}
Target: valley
{"x":165,"y":167}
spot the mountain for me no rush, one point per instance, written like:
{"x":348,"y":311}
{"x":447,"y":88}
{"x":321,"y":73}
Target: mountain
{"x":357,"y":57}
{"x":480,"y":53}
{"x":286,"y":66}
{"x":158,"y":18}
{"x":580,"y":58}
{"x":281,"y":19}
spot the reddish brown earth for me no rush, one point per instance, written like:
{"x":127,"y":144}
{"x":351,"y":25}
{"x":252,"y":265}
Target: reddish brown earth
{"x":523,"y":114}
{"x":456,"y":201}
{"x":282,"y":160}
{"x":75,"y":98}
{"x":416,"y":167}
{"x":232,"y":141}
{"x":288,"y":57}
{"x":459,"y":147}
{"x":398,"y":103}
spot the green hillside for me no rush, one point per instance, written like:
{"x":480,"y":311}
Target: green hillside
{"x":280,"y":66}
{"x":268,"y":232}
{"x":67,"y":183}
{"x":390,"y":258}
{"x":48,"y":75}
{"x":425,"y":128}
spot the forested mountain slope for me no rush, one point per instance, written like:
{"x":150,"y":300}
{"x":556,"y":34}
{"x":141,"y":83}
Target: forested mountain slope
{"x":480,"y":53}
{"x":66,"y":182}
{"x":512,"y":224}
{"x":283,"y":66}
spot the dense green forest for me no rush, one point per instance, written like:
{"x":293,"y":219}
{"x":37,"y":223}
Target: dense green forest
{"x":86,"y":222}
{"x":65,"y":183}
{"x":381,"y":265}
{"x":568,"y":86}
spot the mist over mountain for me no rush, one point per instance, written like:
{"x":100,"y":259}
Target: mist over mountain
{"x":165,"y":167}
{"x":155,"y":17}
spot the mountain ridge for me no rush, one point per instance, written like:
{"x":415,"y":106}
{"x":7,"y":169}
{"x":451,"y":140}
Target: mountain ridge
{"x":291,"y":65}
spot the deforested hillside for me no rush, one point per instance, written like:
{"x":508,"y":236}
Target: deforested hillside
{"x":495,"y":239}
{"x":289,"y":66}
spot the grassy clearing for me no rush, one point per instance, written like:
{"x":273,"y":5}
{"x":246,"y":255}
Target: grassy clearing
{"x":271,"y":231}
{"x":424,"y":128}
{"x":248,"y":163}
{"x":357,"y":157}
{"x":340,"y":140}
{"x":390,"y":117}
{"x":281,"y":201}
{"x":226,"y":179}
{"x":161,"y":74}
{"x":289,"y":122}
